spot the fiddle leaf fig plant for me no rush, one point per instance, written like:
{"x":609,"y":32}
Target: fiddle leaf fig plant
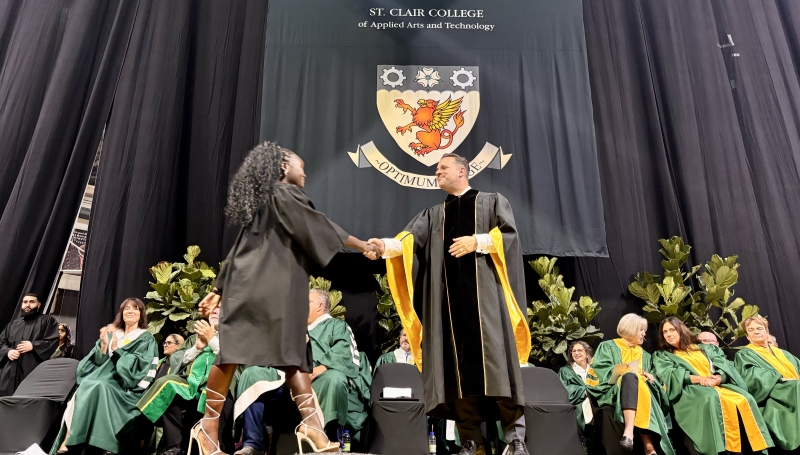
{"x":708,"y":309}
{"x":337,"y":310}
{"x":389,"y":319}
{"x":558,"y":321}
{"x":172,"y":304}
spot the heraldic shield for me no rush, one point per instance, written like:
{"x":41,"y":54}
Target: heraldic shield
{"x":429,"y":111}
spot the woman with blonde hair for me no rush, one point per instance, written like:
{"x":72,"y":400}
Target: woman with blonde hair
{"x":772,"y":377}
{"x":637,"y":397}
{"x":707,"y":395}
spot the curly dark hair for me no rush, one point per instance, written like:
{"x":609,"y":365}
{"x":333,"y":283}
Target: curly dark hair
{"x":68,"y":334}
{"x":254,"y":181}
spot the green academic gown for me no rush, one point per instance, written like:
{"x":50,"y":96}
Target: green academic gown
{"x":778,"y":399}
{"x":186,"y":381}
{"x":108,"y":389}
{"x":264,"y":281}
{"x":650,"y":413}
{"x":333,"y":346}
{"x":704,"y":413}
{"x":391,"y":357}
{"x":576,"y":389}
{"x":358,"y":398}
{"x":253,"y":382}
{"x":470,"y":309}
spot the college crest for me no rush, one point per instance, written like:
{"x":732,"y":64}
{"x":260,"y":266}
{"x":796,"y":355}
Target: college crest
{"x":428,"y":111}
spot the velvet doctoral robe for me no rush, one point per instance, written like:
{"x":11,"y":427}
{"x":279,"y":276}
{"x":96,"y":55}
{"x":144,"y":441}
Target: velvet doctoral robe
{"x":710,"y":415}
{"x":333,"y":346}
{"x":772,"y":378}
{"x":184,"y":380}
{"x":652,"y":405}
{"x":576,"y":389}
{"x":108,"y":389}
{"x":42,"y":331}
{"x":264,"y":281}
{"x":465,"y":317}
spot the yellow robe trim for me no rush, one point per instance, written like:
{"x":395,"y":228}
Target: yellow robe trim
{"x":399,"y":272}
{"x":777,"y":360}
{"x":519,"y":321}
{"x":731,"y":404}
{"x":629,"y":354}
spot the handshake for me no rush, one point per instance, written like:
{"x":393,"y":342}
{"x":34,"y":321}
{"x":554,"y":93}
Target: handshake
{"x":376,"y":248}
{"x":372,"y":248}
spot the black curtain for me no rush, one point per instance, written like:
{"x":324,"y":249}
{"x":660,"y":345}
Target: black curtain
{"x":59,"y":63}
{"x":694,"y":140}
{"x":185,"y":111}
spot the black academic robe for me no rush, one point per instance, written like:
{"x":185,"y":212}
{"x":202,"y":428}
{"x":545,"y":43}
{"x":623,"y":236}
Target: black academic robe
{"x":467,"y":327}
{"x":264,"y":281}
{"x":42,"y":331}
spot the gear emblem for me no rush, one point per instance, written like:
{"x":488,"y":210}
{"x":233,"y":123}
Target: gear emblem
{"x":459,"y":82}
{"x":396,"y":83}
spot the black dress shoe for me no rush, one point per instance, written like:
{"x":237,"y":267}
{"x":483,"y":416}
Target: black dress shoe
{"x":626,"y":443}
{"x":517,"y":447}
{"x":469,"y":447}
{"x":174,"y":450}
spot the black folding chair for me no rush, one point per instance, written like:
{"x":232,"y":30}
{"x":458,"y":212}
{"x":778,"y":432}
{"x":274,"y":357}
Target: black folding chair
{"x":399,"y":426}
{"x":551,"y":425}
{"x":33,"y":414}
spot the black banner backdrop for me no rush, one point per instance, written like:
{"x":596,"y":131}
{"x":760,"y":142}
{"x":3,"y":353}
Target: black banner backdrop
{"x":505,"y":84}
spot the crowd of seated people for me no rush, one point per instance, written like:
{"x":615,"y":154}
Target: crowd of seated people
{"x":687,"y":388}
{"x":123,"y":387}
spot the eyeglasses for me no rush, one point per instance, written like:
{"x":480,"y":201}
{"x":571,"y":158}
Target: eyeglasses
{"x":167,"y":343}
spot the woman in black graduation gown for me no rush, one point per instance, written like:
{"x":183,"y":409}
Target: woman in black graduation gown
{"x":263,"y":286}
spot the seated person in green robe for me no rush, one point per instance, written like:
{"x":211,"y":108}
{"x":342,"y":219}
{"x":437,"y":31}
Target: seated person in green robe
{"x":111,"y":379}
{"x":400,"y":355}
{"x":171,"y":402}
{"x":257,"y":388}
{"x":173,"y":342}
{"x":336,"y":361}
{"x":637,"y":398}
{"x":707,"y":338}
{"x":707,"y":394}
{"x":573,"y":376}
{"x":772,"y":377}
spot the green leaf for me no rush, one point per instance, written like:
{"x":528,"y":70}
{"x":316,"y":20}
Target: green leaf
{"x":179,"y":316}
{"x":749,"y":311}
{"x":561,"y":347}
{"x":154,"y":325}
{"x":735,"y":305}
{"x":191,"y":253}
{"x":161,"y":272}
{"x":339,"y":312}
{"x":154,"y":295}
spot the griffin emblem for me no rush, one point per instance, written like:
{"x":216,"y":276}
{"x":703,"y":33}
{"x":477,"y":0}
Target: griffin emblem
{"x":432,"y":117}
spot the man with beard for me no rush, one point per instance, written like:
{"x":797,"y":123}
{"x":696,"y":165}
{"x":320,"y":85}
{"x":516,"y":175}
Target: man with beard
{"x":399,"y":355}
{"x":456,"y":276}
{"x":25,"y":343}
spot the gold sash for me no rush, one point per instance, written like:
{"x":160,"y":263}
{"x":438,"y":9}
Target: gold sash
{"x":777,"y":359}
{"x":731,"y":403}
{"x":401,"y":282}
{"x":629,"y":354}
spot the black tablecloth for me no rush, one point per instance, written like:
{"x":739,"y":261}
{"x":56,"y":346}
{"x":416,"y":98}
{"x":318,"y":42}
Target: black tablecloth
{"x":399,"y":428}
{"x":33,"y":413}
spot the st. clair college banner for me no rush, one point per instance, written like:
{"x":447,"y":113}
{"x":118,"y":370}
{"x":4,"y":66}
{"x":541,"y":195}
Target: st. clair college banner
{"x":371,"y":94}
